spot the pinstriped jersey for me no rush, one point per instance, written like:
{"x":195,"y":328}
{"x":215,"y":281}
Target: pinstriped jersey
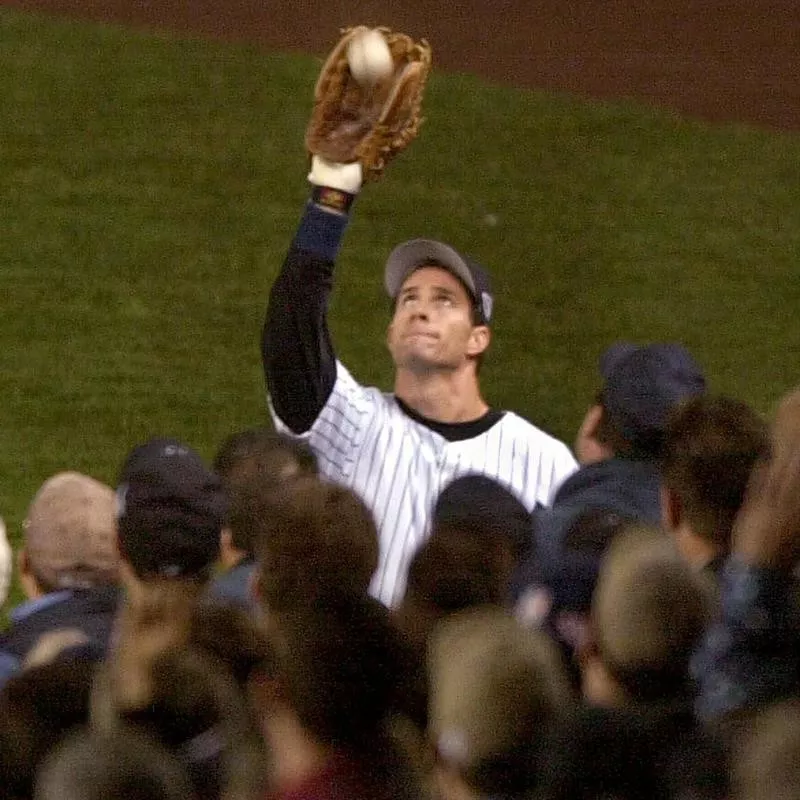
{"x":397,"y":466}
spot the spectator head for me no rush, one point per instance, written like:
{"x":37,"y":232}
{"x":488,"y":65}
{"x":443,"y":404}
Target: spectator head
{"x":495,"y":688}
{"x":125,"y":763}
{"x":641,"y":386}
{"x":171,"y":511}
{"x":340,"y":679}
{"x":192,"y":706}
{"x":480,"y":534}
{"x":648,"y":613}
{"x":255,"y":457}
{"x":339,"y":663}
{"x":482,"y":507}
{"x":70,"y":536}
{"x":711,"y":446}
{"x":559,"y":598}
{"x":316,"y":540}
{"x":263,"y":453}
{"x":452,"y":571}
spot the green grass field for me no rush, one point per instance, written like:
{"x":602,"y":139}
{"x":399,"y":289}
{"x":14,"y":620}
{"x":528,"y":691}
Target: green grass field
{"x":150,"y":185}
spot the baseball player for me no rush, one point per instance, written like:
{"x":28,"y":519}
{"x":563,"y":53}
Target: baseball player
{"x":396,"y":450}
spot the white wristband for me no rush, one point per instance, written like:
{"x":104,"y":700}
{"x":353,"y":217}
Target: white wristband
{"x":344,"y":177}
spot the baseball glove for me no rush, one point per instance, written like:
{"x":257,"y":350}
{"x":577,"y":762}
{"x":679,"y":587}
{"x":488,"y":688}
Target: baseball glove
{"x":368,"y":124}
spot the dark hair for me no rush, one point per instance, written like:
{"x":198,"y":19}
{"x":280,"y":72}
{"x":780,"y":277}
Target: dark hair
{"x":456,"y":569}
{"x":343,"y":666}
{"x":485,"y":509}
{"x":257,"y":461}
{"x":711,"y":447}
{"x":632,"y":754}
{"x":234,"y":638}
{"x":339,"y":662}
{"x":264,"y":451}
{"x":38,"y":708}
{"x":592,"y":530}
{"x":315,"y":540}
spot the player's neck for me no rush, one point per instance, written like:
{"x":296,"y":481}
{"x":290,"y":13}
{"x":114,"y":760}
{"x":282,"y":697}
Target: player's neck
{"x":442,"y":397}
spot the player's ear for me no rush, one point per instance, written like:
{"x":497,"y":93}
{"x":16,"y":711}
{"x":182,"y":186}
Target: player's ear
{"x":588,"y":448}
{"x":479,"y":340}
{"x":389,"y":333}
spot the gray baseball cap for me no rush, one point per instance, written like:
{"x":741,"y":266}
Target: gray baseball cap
{"x":412,"y":255}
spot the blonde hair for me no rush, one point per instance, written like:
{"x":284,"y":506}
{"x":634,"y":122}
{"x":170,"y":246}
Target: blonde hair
{"x":648,"y":612}
{"x":495,"y":688}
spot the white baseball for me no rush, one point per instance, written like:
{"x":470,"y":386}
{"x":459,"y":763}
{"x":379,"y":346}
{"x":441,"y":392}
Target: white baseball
{"x":369,"y":58}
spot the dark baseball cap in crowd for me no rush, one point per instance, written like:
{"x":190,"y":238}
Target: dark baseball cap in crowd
{"x":416,"y":253}
{"x":572,"y":574}
{"x":643,"y":384}
{"x":481,"y":504}
{"x":171,"y":510}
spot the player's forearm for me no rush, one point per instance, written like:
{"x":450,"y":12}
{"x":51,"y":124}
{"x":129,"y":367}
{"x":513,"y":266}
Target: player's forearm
{"x":297,"y":352}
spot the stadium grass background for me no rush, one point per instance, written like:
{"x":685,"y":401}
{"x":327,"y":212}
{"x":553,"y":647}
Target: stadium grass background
{"x":150,"y":185}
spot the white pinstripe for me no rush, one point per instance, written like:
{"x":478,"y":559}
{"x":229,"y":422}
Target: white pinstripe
{"x":398,"y":466}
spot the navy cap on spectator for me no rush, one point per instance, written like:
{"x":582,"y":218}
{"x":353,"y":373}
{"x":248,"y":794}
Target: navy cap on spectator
{"x":572,"y":575}
{"x":643,"y":385}
{"x":171,"y":510}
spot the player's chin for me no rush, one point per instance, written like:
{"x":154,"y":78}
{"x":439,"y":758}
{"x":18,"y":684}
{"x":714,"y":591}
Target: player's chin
{"x":422,"y":362}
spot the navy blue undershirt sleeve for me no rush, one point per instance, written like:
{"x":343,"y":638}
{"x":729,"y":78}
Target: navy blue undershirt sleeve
{"x":296,"y":348}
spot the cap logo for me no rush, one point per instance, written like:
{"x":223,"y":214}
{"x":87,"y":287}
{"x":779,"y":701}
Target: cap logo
{"x":174,"y":450}
{"x":488,"y":303}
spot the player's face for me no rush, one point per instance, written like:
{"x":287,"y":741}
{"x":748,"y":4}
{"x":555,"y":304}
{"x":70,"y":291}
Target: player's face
{"x":432,"y":327}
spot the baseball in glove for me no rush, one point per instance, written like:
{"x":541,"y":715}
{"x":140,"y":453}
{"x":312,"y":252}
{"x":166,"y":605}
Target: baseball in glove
{"x":373,"y":123}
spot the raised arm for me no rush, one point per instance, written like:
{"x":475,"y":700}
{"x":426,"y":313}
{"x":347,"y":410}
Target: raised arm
{"x":296,"y":348}
{"x":751,"y":656}
{"x":354,"y":131}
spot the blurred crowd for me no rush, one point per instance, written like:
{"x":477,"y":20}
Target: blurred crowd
{"x":203,"y":631}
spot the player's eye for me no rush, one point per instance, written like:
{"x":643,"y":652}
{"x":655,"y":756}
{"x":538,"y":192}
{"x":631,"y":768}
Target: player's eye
{"x":444,"y":299}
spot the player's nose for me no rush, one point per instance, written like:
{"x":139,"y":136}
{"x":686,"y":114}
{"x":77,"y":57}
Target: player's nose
{"x":420,"y":311}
